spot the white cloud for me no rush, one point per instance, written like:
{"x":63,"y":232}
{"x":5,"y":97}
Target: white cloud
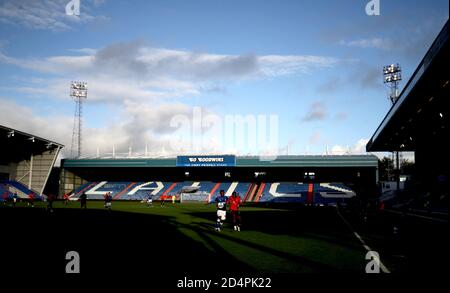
{"x":45,"y":14}
{"x":139,"y":60}
{"x":134,"y":71}
{"x":55,"y":65}
{"x":142,"y":84}
{"x":358,"y":148}
{"x":377,"y":43}
{"x":275,"y":65}
{"x":111,"y":91}
{"x":87,"y":51}
{"x":56,"y":128}
{"x":139,"y":126}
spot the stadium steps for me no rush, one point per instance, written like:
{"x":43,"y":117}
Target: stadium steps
{"x":18,"y":192}
{"x":4,"y":192}
{"x":118,"y":195}
{"x":252,"y":196}
{"x":82,"y":189}
{"x":166,"y":192}
{"x":21,"y":190}
{"x":310,"y":194}
{"x":259,"y":193}
{"x":12,"y":190}
{"x":251,"y":192}
{"x":212,"y":192}
{"x":141,"y":190}
{"x":248,"y":192}
{"x":266,"y":196}
{"x":336,"y":187}
{"x":98,"y":191}
{"x":254,"y":192}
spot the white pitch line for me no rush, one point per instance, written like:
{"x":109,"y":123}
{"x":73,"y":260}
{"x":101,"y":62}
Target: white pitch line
{"x":417,"y":216}
{"x":384,"y":269}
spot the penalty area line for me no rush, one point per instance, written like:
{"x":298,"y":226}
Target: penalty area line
{"x":384,"y":269}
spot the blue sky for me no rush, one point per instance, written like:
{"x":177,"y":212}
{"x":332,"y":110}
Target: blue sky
{"x":316,"y":65}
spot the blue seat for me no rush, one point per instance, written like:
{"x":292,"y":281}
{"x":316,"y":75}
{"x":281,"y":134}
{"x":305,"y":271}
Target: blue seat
{"x":24,"y":189}
{"x":114,"y":187}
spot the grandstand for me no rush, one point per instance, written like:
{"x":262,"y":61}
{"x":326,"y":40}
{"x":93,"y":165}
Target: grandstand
{"x":207,"y":191}
{"x":26,"y":162}
{"x":304,"y":179}
{"x":419,"y":122}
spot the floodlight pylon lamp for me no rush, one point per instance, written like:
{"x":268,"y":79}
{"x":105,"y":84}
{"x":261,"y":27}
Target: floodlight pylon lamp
{"x":391,"y":77}
{"x":78,"y":91}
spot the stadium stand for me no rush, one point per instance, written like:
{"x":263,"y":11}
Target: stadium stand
{"x":20,"y":189}
{"x":255,"y":180}
{"x":26,"y":161}
{"x":81,"y":189}
{"x":207,"y":191}
{"x":418,"y":122}
{"x":5,"y":194}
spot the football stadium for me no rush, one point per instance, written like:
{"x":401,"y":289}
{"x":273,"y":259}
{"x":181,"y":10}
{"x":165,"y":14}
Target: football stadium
{"x":158,"y":217}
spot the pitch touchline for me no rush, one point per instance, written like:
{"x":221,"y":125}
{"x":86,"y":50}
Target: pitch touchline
{"x":417,"y":216}
{"x":382,"y":266}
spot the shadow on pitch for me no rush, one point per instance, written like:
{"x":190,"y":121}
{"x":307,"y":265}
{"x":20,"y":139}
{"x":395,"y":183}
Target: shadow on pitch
{"x":117,"y":244}
{"x":315,"y":223}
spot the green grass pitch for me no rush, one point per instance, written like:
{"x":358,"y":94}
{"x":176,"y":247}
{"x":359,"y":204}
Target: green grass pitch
{"x":181,"y":238}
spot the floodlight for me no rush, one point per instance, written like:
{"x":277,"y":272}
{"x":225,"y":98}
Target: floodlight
{"x":391,"y":76}
{"x":78,"y":91}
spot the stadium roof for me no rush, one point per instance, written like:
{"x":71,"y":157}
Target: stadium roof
{"x":422,"y":107}
{"x":254,"y":161}
{"x":15,"y":144}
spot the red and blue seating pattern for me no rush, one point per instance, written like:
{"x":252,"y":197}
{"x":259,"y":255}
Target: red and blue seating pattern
{"x":207,"y":191}
{"x":10,"y":189}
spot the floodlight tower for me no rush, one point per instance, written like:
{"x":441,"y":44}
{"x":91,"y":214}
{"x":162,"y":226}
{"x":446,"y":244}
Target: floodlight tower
{"x":78,"y":91}
{"x":392,"y":76}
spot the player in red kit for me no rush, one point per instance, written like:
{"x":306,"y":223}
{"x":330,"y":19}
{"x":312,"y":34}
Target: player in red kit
{"x":234,"y":202}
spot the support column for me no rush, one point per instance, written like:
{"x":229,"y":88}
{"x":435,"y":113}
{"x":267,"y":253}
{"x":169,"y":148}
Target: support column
{"x":398,"y":170}
{"x":30,"y":180}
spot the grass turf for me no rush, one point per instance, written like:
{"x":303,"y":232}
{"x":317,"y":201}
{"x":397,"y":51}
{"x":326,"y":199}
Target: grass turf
{"x":136,"y":239}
